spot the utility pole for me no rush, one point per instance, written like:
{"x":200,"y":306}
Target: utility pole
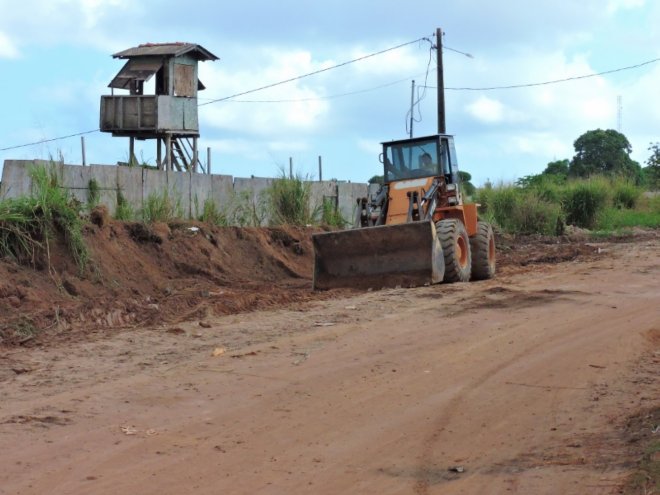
{"x":442,"y":129}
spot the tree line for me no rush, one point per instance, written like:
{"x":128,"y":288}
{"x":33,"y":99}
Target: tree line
{"x":606,"y":153}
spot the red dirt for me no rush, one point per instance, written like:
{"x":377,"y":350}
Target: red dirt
{"x":543,"y":380}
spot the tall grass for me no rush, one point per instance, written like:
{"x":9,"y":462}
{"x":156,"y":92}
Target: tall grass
{"x":162,"y":207}
{"x":124,"y":209}
{"x":516,"y":210}
{"x":212,"y":214}
{"x":584,"y":200}
{"x":289,"y":201}
{"x":543,"y":206}
{"x":27,"y":224}
{"x":331,"y":215}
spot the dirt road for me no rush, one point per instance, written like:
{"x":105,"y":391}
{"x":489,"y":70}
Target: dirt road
{"x":523,"y":384}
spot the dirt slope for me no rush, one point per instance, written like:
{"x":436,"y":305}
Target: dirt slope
{"x":527,"y":383}
{"x":142,"y":275}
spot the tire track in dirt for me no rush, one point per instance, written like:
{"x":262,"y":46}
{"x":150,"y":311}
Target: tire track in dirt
{"x":427,"y":474}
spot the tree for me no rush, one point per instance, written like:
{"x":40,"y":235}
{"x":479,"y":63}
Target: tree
{"x":468,"y":187}
{"x":377,"y":179}
{"x":603,"y":152}
{"x":652,"y":169}
{"x":558,"y":167}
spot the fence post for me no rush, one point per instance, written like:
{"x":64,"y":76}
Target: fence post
{"x":82,"y":145}
{"x":320,"y":169}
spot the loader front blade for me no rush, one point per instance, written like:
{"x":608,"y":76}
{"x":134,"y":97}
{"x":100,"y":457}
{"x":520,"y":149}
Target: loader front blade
{"x":405,"y":255}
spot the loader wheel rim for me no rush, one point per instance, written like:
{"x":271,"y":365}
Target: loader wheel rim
{"x":461,"y":251}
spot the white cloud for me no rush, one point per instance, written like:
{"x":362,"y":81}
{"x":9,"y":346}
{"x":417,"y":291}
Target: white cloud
{"x":613,"y":6}
{"x":7,"y":47}
{"x":249,"y":114}
{"x":486,"y":110}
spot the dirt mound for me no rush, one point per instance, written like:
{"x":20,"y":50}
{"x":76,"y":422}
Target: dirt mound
{"x":149,"y":274}
{"x":167,"y":273}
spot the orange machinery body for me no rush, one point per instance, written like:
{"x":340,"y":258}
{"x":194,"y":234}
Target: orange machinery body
{"x":398,"y":203}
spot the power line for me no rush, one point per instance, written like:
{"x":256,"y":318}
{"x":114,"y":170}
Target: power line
{"x":330,"y":97}
{"x":364,"y":57}
{"x":296,"y":78}
{"x":555,"y":81}
{"x":48,"y":140}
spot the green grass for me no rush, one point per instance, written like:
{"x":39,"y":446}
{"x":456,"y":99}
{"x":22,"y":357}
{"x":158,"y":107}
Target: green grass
{"x":519,"y":211}
{"x":331,"y":216}
{"x":212,"y":214}
{"x":27,"y":224}
{"x":584,"y":201}
{"x":124,"y":209}
{"x":163,"y":207}
{"x":543,"y":206}
{"x":93,"y":193}
{"x":289,"y":201}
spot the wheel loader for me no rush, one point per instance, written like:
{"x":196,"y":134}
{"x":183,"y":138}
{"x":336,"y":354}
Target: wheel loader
{"x":416,"y":230}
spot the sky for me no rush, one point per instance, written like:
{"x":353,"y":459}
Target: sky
{"x":55,"y":63}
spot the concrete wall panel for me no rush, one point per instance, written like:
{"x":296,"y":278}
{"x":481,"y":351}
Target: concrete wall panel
{"x":106,"y":178}
{"x":179,"y":187}
{"x":136,"y":184}
{"x":15,"y":179}
{"x":222,"y":187}
{"x":129,"y":183}
{"x":348,"y":194}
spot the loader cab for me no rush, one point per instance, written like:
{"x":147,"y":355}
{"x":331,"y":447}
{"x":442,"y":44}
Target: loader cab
{"x":430,"y":156}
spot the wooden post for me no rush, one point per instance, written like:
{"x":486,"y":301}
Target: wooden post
{"x":195,"y":157}
{"x":320,"y":169}
{"x":82,"y":146}
{"x":159,"y":154}
{"x":168,"y":152}
{"x":131,"y":151}
{"x":290,"y":168}
{"x":208,"y":160}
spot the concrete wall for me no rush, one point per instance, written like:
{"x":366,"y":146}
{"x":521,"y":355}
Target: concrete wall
{"x":137,"y":184}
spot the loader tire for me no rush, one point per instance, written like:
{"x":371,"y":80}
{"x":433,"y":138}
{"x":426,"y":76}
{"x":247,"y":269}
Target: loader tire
{"x":482,"y":245}
{"x":456,"y":249}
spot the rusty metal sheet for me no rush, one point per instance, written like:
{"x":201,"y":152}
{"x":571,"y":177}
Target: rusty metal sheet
{"x":167,"y":49}
{"x":140,"y":70}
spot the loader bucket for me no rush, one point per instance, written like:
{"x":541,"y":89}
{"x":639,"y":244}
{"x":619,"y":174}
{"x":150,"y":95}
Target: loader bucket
{"x":405,"y":255}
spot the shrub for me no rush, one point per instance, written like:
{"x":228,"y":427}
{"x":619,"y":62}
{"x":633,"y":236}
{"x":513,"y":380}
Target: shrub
{"x":625,"y":194}
{"x":519,"y":211}
{"x":584,"y":201}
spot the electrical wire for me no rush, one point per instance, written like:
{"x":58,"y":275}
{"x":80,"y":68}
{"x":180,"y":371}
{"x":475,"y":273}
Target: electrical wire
{"x":555,"y":81}
{"x":296,"y":78}
{"x":328,"y":97}
{"x":49,"y":140}
{"x":364,"y":57}
{"x":488,"y":88}
{"x":420,"y":95}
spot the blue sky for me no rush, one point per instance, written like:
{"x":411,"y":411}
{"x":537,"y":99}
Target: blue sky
{"x":55,"y":63}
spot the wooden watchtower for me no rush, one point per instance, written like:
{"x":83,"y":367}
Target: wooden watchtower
{"x":169,"y":115}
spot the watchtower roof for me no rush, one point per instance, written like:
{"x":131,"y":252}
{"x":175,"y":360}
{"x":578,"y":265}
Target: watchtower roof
{"x":167,"y":49}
